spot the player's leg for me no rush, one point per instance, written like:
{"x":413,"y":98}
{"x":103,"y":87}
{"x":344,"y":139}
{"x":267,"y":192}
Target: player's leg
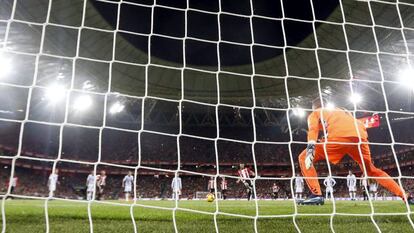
{"x":102,"y":193}
{"x":248,"y":189}
{"x":99,"y":193}
{"x":335,"y":153}
{"x":373,"y":171}
{"x":310,"y":175}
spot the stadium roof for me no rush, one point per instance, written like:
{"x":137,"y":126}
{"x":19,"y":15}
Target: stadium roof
{"x":235,"y":86}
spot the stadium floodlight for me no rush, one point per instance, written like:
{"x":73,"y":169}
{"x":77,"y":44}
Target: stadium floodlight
{"x":82,"y":103}
{"x":330,"y":106}
{"x":355,"y":98}
{"x":55,"y":93}
{"x":406,"y":78}
{"x":60,"y":76}
{"x":299,"y":112}
{"x":5,"y":66}
{"x":116,"y":108}
{"x":327,"y":91}
{"x":87,"y":85}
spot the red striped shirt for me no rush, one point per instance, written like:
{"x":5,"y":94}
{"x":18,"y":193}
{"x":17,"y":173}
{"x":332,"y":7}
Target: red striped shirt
{"x":223,"y":185}
{"x":244,"y":173}
{"x":211,"y":184}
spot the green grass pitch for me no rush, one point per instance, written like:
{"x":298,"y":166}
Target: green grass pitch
{"x":28,"y":216}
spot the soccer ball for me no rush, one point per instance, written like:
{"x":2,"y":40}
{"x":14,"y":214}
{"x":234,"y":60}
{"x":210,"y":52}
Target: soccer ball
{"x":210,"y":197}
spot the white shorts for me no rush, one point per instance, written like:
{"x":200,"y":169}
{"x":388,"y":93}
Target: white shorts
{"x":52,"y":188}
{"x":178,"y":191}
{"x":373,"y":190}
{"x":329,"y":189}
{"x":128,"y":189}
{"x":90,"y":188}
{"x":299,"y":190}
{"x":352,"y":188}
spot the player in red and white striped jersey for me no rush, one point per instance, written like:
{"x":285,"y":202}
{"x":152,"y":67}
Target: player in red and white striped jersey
{"x":244,"y":174}
{"x":223,"y":186}
{"x":211,"y":185}
{"x":100,"y":184}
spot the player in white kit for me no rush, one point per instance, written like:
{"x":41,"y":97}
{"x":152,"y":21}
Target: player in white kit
{"x":13,"y":184}
{"x":351,"y":184}
{"x":299,"y":185}
{"x":127,"y":184}
{"x":52,"y":182}
{"x":90,"y":186}
{"x":329,"y":183}
{"x":176,"y":187}
{"x":364,"y":186}
{"x":373,"y":189}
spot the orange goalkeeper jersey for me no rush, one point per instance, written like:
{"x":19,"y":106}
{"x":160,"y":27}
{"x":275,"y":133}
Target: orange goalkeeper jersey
{"x":339,"y":123}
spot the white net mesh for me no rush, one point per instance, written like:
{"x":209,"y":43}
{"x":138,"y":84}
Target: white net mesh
{"x":192,"y":89}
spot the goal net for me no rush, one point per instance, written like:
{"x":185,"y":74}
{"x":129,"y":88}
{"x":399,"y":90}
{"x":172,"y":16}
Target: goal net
{"x":142,"y":105}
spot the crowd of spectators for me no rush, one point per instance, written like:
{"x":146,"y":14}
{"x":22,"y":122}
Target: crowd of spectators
{"x":151,"y":150}
{"x":72,"y":185}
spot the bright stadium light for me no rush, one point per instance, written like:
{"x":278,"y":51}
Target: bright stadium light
{"x":407,"y":78}
{"x":87,"y":85}
{"x":116,"y":108}
{"x":5,"y":66}
{"x":327,"y":91}
{"x":55,"y":93}
{"x":299,"y":112}
{"x":355,"y":98}
{"x":330,"y":106}
{"x":82,"y":103}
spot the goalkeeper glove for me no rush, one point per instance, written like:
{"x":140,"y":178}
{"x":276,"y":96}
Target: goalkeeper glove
{"x":310,"y":154}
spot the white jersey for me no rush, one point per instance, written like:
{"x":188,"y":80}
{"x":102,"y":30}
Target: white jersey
{"x":53,"y":179}
{"x":275,"y":188}
{"x":329,"y":183}
{"x":128,"y":182}
{"x":299,"y":184}
{"x":364,"y":182}
{"x":14,"y":182}
{"x":351,"y":182}
{"x":90,"y":183}
{"x":176,"y":184}
{"x":373,"y":187}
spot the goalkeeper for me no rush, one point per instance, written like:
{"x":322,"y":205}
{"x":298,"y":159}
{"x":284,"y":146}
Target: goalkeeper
{"x":340,"y":127}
